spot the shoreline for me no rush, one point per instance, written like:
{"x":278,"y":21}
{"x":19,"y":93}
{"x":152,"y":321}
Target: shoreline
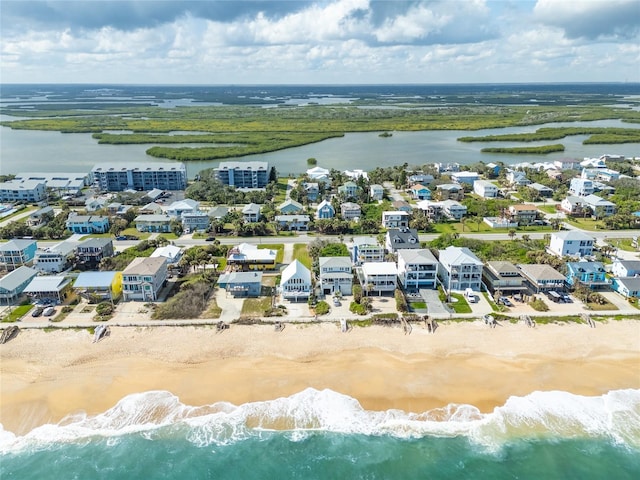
{"x":45,"y":376}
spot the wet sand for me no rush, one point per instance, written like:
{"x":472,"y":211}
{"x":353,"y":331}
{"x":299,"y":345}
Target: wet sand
{"x":45,"y":376}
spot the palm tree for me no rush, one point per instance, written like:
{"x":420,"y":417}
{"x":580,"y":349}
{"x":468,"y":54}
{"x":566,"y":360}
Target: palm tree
{"x":512,"y":234}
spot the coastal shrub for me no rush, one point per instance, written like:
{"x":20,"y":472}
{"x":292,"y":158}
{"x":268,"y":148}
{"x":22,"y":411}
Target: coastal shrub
{"x":322,"y":308}
{"x":357,"y":293}
{"x":189,"y":302}
{"x":104,"y":308}
{"x":357,"y":308}
{"x":401,"y":301}
{"x":539,"y":305}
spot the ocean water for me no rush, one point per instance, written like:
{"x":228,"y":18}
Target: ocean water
{"x":325,"y":435}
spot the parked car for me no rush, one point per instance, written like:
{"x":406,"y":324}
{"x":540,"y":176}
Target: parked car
{"x":37,"y":311}
{"x":336,"y":302}
{"x":49,"y":311}
{"x":210,"y":239}
{"x":121,"y":237}
{"x":566,"y":298}
{"x":505,"y":301}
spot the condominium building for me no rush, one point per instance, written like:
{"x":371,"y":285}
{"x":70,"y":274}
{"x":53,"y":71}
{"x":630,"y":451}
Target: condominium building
{"x":16,"y":191}
{"x":143,"y":177}
{"x":243,"y":174}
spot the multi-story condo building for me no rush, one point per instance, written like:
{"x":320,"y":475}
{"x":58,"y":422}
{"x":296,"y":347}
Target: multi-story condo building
{"x":143,"y":278}
{"x":460,"y":269}
{"x":243,"y":174}
{"x":61,"y":183}
{"x":417,"y":269}
{"x":143,"y":177}
{"x":23,"y":191}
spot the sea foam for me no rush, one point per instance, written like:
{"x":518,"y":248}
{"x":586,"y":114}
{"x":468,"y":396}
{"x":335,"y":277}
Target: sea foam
{"x":614,"y":416}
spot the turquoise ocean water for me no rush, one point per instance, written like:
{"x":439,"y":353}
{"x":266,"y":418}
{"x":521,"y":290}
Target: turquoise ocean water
{"x":326,"y":435}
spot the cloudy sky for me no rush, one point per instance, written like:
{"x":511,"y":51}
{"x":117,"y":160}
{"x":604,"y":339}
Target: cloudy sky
{"x":322,"y":41}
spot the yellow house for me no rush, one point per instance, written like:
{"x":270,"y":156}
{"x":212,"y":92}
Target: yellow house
{"x":106,"y":285}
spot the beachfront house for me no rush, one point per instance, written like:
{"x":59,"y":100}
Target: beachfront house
{"x":628,"y":287}
{"x":378,"y":277}
{"x":298,"y":223}
{"x":90,"y":252}
{"x":197,"y":221}
{"x":571,"y":243}
{"x":336,"y":275}
{"x":485,"y":189}
{"x":57,"y":258}
{"x":460,"y":269}
{"x":16,"y":253}
{"x":51,"y":289}
{"x":295,"y":283}
{"x":13,"y":284}
{"x":290,"y":207}
{"x":366,"y":249}
{"x":143,"y":279}
{"x":319,"y":174}
{"x":241,"y":284}
{"x":625,"y":268}
{"x":540,"y":278}
{"x":376,"y":192}
{"x":350,"y":211}
{"x":402,"y":238}
{"x":503,"y":277}
{"x":99,"y":286}
{"x":396,"y":219}
{"x":591,"y":274}
{"x":417,"y":269}
{"x":153,"y":223}
{"x":251,"y":213}
{"x":325,"y":210}
{"x":249,"y":257}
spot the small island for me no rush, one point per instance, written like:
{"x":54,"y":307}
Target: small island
{"x":386,"y":134}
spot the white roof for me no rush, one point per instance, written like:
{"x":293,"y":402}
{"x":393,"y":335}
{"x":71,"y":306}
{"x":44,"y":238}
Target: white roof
{"x":422,"y":255}
{"x":46,"y":284}
{"x":457,"y":256}
{"x":334,"y":261}
{"x":168,"y":251}
{"x":572,"y":235}
{"x":379,"y":268}
{"x":296,"y":270}
{"x":251,"y":208}
{"x":252,"y":252}
{"x":317,"y":171}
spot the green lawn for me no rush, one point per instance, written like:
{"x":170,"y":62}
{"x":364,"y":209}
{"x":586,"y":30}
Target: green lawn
{"x":255,"y":307}
{"x":585,"y":223}
{"x":169,"y":236}
{"x":282,"y":191}
{"x":275,"y":246}
{"x":97,"y":235}
{"x":622,"y":244}
{"x":547,"y":208}
{"x":134,"y":232}
{"x":301,"y":254}
{"x":17,"y":313}
{"x":461,"y":306}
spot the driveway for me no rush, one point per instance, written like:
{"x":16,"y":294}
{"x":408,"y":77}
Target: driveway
{"x":231,"y":307}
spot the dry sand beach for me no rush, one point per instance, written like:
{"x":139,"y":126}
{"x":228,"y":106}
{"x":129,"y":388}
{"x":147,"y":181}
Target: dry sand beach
{"x":48,"y":375}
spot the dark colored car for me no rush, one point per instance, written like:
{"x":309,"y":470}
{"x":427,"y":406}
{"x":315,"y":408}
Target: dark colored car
{"x":210,"y":239}
{"x":505,"y":301}
{"x":37,"y":312}
{"x":121,"y":237}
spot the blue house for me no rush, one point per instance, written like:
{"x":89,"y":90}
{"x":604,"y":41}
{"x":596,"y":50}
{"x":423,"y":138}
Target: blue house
{"x":13,"y":284}
{"x":627,"y":286}
{"x":591,"y":274}
{"x":87,"y":224}
{"x":16,"y":253}
{"x":325,"y":210}
{"x":241,"y":284}
{"x":420,"y":192}
{"x":290,"y":207}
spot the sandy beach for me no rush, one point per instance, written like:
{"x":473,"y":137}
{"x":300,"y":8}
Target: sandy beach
{"x":46,"y":376}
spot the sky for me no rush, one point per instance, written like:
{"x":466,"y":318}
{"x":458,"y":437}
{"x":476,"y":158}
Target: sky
{"x":319,"y":42}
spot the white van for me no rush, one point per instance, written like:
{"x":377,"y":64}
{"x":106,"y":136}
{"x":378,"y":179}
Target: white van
{"x":470,"y":295}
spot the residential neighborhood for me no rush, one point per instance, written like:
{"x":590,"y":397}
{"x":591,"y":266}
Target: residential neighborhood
{"x":327,"y":243}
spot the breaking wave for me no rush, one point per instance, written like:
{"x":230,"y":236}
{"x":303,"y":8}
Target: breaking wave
{"x":159,"y":414}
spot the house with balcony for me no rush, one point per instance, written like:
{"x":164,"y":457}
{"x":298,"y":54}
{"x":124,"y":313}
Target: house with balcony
{"x":378,"y":278}
{"x":13,"y":284}
{"x":349,"y":190}
{"x":249,"y":257}
{"x":459,"y":269}
{"x":54,"y":289}
{"x":197,"y":221}
{"x":143,"y":279}
{"x":599,"y":206}
{"x":417,"y":269}
{"x":402,"y":238}
{"x":541,"y":278}
{"x":465,"y":177}
{"x":453,"y":209}
{"x":571,"y":243}
{"x":434,"y":211}
{"x":485,"y":189}
{"x":99,"y":286}
{"x":320,"y":175}
{"x":542,"y":190}
{"x":325,"y":210}
{"x":503,"y":277}
{"x":299,"y":223}
{"x":625,"y":268}
{"x":581,"y":187}
{"x":178,"y":208}
{"x":516,"y":178}
{"x":95,"y":203}
{"x":150,"y":209}
{"x":55,"y":259}
{"x":366,"y":250}
{"x":449,"y":191}
{"x":16,"y":253}
{"x":295,"y":282}
{"x":312,"y":190}
{"x":350,"y":210}
{"x":376,"y":192}
{"x":574,"y":206}
{"x":420,"y":192}
{"x":251,"y":213}
{"x":396,"y":219}
{"x":336,"y":275}
{"x":87,"y":224}
{"x":421,"y":178}
{"x":290,"y":207}
{"x":40,"y":217}
{"x":153,"y":223}
{"x":241,"y":284}
{"x":591,"y":274}
{"x":523,"y":213}
{"x":90,"y":252}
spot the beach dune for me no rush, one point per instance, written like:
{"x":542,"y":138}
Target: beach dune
{"x":47,"y":375}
